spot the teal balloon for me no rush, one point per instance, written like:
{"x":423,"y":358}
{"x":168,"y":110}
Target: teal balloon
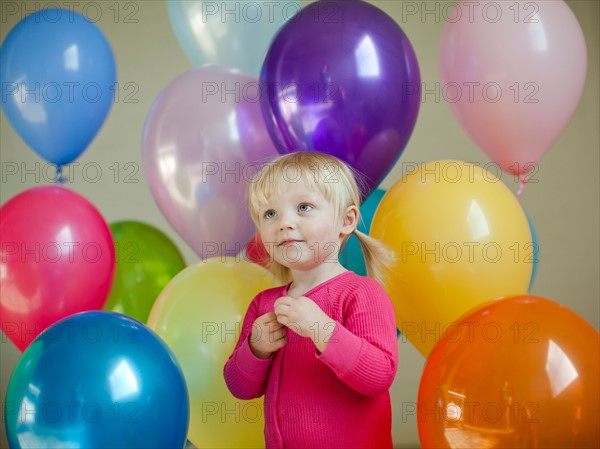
{"x":351,"y":255}
{"x":97,"y":380}
{"x":536,"y":248}
{"x":146,"y":260}
{"x":234,"y":33}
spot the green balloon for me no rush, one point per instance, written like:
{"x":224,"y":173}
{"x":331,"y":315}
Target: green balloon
{"x":146,"y":260}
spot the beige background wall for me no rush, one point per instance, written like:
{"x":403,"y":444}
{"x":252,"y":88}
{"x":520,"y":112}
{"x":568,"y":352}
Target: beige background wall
{"x":563,"y":205}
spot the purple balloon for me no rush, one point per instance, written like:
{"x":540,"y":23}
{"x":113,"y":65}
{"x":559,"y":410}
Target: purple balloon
{"x":342,"y":78}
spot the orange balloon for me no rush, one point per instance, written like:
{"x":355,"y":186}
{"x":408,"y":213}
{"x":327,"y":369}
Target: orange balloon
{"x":521,"y":371}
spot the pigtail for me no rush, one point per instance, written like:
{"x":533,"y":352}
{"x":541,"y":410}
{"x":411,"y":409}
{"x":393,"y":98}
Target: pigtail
{"x":379,"y":259}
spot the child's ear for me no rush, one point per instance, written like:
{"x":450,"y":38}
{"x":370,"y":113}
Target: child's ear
{"x":350,"y":220}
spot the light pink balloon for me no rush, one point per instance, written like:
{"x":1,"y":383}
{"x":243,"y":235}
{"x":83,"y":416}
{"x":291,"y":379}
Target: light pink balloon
{"x":204,"y":139}
{"x":57,"y":258}
{"x":513,"y":73}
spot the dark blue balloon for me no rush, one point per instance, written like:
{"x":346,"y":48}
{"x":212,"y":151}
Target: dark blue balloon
{"x":341,"y":77}
{"x":97,"y":380}
{"x":58,"y":80}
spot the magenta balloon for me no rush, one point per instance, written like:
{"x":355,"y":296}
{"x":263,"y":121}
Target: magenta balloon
{"x":204,"y":139}
{"x":58,"y":258}
{"x":341,"y":77}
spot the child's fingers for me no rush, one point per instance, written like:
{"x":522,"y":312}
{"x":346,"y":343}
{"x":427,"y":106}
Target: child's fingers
{"x":280,"y":333}
{"x":281,"y":308}
{"x":267,"y":317}
{"x":279,"y":341}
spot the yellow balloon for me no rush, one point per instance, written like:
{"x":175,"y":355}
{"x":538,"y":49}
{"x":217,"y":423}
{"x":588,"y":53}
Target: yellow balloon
{"x":461,"y":238}
{"x":199,"y":314}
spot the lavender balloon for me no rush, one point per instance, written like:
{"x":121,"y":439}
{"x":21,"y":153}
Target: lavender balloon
{"x":341,"y":77}
{"x":204,"y":138}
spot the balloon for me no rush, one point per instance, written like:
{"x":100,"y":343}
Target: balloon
{"x":58,"y":80}
{"x":515,"y":72}
{"x":97,"y":380}
{"x":233,"y":33}
{"x":351,"y":255}
{"x":536,"y":252}
{"x":146,"y":261}
{"x":342,"y":78}
{"x":57,"y":259}
{"x":203,"y":141}
{"x":199,"y":315}
{"x":256,"y":252}
{"x":461,"y":238}
{"x":516,"y":372}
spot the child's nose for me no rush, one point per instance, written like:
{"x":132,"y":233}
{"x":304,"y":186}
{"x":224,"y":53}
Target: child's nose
{"x":286,"y":222}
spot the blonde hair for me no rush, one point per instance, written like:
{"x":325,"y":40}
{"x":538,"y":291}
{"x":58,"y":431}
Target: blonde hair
{"x":338,"y":184}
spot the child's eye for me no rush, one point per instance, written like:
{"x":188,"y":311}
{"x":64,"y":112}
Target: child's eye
{"x":270,"y":214}
{"x":304,"y":207}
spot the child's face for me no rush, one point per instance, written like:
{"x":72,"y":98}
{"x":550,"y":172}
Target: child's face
{"x":299,"y":227}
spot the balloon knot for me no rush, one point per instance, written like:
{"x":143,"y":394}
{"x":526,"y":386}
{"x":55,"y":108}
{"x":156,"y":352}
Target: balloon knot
{"x":59,"y":178}
{"x":522,"y":181}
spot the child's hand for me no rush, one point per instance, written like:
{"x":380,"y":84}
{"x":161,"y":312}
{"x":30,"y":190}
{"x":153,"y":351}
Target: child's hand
{"x":306,"y":318}
{"x":268,"y":335}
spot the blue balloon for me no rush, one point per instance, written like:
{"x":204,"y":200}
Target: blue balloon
{"x":97,"y":380}
{"x":58,"y":80}
{"x":351,"y":255}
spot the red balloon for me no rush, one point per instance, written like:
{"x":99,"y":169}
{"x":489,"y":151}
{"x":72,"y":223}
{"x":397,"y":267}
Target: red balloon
{"x":256,"y":251}
{"x":57,"y":258}
{"x":520,"y":371}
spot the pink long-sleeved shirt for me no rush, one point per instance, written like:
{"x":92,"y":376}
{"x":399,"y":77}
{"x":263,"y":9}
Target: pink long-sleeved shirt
{"x":335,"y":399}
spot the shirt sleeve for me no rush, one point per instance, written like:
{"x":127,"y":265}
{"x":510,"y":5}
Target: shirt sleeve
{"x":245,"y":374}
{"x":363,"y":352}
